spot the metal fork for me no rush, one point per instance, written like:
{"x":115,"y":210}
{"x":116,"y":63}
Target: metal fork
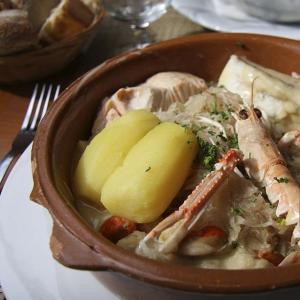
{"x":36,"y":110}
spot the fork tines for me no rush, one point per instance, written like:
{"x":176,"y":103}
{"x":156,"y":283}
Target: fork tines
{"x":38,"y":105}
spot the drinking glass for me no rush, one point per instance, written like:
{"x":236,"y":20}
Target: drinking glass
{"x":138,"y":14}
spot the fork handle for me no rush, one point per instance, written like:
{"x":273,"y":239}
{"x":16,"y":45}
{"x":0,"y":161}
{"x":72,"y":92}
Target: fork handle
{"x":6,"y":166}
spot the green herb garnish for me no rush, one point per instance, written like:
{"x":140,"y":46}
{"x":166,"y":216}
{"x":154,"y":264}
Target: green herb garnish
{"x":280,"y":221}
{"x":237,"y":211}
{"x":234,"y":244}
{"x":214,"y":108}
{"x":208,"y":154}
{"x":224,"y":115}
{"x":233,"y":141}
{"x":148,"y":169}
{"x":281,"y":179}
{"x":222,"y":137}
{"x":229,"y":108}
{"x":185,"y":126}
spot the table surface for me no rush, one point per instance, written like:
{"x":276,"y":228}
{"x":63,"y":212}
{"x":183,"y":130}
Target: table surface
{"x":112,"y":36}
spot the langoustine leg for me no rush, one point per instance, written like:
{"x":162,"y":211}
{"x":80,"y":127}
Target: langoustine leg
{"x":192,"y":208}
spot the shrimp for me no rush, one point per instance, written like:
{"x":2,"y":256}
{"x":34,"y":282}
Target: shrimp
{"x":180,"y":223}
{"x":265,"y":164}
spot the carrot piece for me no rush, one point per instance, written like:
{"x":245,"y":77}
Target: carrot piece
{"x":273,"y":257}
{"x":116,"y":228}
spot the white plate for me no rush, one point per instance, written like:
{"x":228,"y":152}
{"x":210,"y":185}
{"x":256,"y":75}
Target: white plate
{"x":222,"y":15}
{"x":27,"y":269}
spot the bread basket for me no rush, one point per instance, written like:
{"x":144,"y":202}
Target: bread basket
{"x":40,"y":63}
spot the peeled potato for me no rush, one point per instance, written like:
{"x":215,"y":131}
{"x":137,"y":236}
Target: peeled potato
{"x":107,"y":151}
{"x":151,"y":175}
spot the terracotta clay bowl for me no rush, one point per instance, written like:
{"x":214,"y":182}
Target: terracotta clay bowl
{"x":74,"y":243}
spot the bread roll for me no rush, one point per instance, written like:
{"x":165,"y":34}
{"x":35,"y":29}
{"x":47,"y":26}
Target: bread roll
{"x":20,"y":4}
{"x":93,"y":5}
{"x":68,"y":19}
{"x":6,"y":4}
{"x":16,"y":31}
{"x":39,"y":11}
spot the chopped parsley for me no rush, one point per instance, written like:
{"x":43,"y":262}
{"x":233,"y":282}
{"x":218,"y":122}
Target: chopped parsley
{"x":280,"y":221}
{"x":233,"y":141}
{"x":214,"y":108}
{"x":222,"y":137}
{"x":281,"y":179}
{"x":253,"y":198}
{"x":229,"y":108}
{"x":148,"y":169}
{"x":237,"y":211}
{"x":185,"y":126}
{"x":189,"y":142}
{"x":221,"y":115}
{"x":234,"y":244}
{"x":224,"y":116}
{"x":208,"y":154}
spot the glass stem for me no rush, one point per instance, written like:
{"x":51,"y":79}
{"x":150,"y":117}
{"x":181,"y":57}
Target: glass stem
{"x":142,"y":36}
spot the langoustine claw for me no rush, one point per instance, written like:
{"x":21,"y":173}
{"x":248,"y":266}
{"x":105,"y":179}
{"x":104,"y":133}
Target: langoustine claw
{"x":289,"y":138}
{"x":192,"y":208}
{"x":291,"y":259}
{"x":289,"y":145}
{"x":266,"y":165}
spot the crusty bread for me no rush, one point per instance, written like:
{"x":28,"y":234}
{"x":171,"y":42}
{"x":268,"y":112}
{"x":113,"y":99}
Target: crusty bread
{"x":20,"y":4}
{"x":5,"y":4}
{"x":16,"y":31}
{"x":93,"y":5}
{"x":68,"y":19}
{"x":39,"y":11}
{"x":25,"y":24}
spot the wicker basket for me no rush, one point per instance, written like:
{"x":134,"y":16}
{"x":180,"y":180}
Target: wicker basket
{"x":39,"y":63}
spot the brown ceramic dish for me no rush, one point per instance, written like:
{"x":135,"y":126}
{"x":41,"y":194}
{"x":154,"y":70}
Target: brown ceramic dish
{"x":73,"y":242}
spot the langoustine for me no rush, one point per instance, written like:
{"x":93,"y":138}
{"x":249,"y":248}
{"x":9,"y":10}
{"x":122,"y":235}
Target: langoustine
{"x":182,"y":220}
{"x":266,"y":165}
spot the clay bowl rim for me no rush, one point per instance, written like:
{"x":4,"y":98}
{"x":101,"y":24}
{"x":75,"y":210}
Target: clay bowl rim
{"x":116,"y":259}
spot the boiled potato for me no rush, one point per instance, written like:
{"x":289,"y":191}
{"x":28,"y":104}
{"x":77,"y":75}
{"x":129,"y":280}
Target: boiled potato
{"x":151,"y":175}
{"x":107,"y":151}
